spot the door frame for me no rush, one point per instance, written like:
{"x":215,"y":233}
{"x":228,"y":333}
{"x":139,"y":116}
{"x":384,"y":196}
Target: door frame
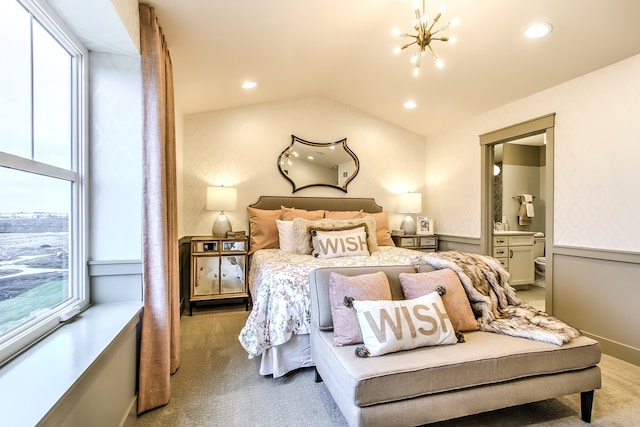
{"x":544,"y":124}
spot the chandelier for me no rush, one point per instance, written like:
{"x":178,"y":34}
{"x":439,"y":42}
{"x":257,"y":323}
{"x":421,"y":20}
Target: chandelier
{"x":425,"y":35}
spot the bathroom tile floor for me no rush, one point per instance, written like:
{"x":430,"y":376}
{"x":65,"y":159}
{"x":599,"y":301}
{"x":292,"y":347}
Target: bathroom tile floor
{"x":534,"y":295}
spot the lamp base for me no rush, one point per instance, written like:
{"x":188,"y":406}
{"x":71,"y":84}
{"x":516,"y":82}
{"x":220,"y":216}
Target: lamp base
{"x":221,"y":226}
{"x":409,"y":225}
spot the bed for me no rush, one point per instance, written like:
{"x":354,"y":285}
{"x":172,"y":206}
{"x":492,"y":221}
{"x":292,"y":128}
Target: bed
{"x":277,"y":329}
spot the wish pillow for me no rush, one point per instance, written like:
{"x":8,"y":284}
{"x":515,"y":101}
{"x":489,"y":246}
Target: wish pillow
{"x":302,"y":229}
{"x":455,"y":299}
{"x":390,"y":326}
{"x":339,"y":243}
{"x":373,"y":286}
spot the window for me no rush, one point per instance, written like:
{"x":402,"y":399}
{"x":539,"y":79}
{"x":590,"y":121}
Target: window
{"x":42,"y":121}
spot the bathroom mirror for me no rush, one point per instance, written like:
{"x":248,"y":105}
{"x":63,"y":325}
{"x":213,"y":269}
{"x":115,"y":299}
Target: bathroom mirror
{"x":307,"y":164}
{"x":519,"y":168}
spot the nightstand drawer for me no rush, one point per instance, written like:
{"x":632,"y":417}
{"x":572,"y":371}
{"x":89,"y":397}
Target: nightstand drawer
{"x":416,"y":241}
{"x":234,"y":246}
{"x":406,"y":242}
{"x":427,"y":240}
{"x":206,"y":246}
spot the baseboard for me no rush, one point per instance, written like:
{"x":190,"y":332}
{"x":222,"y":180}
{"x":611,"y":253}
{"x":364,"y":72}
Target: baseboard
{"x":130,"y":417}
{"x":616,"y":349}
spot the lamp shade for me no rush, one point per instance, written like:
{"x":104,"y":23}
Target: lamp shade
{"x":221,"y":198}
{"x":409,"y":203}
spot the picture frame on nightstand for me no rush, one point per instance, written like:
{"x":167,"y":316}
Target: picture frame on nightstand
{"x":424,"y":225}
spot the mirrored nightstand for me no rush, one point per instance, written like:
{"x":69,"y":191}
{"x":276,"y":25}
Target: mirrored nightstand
{"x":218,"y":269}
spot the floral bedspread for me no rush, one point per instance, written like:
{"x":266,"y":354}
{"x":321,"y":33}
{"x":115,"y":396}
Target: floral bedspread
{"x":280,"y":290}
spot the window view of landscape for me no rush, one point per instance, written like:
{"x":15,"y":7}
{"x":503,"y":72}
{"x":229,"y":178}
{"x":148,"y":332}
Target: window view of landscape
{"x":34,"y":265}
{"x":37,"y":173}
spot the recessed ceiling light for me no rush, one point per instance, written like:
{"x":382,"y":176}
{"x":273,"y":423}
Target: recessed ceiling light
{"x":535,"y":31}
{"x":410,"y":105}
{"x":249,"y":85}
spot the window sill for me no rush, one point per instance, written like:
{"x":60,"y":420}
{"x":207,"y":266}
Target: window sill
{"x":39,"y":378}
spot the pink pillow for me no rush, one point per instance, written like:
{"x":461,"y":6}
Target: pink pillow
{"x":371,"y":287}
{"x":455,"y":300}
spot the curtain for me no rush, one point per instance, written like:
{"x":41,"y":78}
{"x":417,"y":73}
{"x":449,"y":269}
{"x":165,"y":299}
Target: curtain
{"x":160,"y":331}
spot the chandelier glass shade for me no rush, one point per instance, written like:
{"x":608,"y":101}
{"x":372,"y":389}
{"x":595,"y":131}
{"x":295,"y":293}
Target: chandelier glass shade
{"x":425,"y":34}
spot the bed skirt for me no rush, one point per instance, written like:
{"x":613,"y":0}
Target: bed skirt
{"x":287,"y":357}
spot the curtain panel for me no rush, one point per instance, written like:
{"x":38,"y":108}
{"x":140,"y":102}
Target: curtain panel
{"x":160,"y":331}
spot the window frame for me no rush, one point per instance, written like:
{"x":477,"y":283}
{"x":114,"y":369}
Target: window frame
{"x":23,"y":337}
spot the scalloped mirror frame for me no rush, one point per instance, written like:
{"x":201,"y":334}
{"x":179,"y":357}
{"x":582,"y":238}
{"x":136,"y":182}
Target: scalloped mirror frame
{"x":332,"y":164}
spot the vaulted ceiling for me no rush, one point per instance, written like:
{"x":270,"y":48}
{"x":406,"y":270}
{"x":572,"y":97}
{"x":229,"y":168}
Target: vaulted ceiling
{"x":342,"y":50}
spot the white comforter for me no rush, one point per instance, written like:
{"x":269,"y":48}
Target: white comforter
{"x":280,"y":290}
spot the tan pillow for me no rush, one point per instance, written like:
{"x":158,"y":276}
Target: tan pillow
{"x":372,"y":287}
{"x":455,"y":300}
{"x":303,"y":237}
{"x":264,"y":231}
{"x":343,"y":214}
{"x":383,"y":232}
{"x":290,"y":213}
{"x":302,"y":230}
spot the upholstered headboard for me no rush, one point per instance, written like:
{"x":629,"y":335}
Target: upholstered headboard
{"x":317,"y":203}
{"x":263,"y":231}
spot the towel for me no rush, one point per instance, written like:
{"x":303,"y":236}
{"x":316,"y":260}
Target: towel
{"x":526,"y":212}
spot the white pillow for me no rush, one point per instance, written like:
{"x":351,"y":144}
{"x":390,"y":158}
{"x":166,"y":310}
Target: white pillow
{"x":389,"y":326}
{"x":286,"y":235}
{"x":339,"y":243}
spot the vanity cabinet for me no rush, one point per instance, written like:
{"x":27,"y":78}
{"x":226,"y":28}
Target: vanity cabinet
{"x":218,"y":269}
{"x":516,"y":254}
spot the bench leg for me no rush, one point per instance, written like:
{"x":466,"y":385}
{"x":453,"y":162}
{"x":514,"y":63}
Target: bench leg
{"x":586,"y":404}
{"x":318,"y":377}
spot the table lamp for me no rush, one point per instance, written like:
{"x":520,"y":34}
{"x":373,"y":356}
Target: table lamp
{"x":221,"y":199}
{"x":409,"y":203}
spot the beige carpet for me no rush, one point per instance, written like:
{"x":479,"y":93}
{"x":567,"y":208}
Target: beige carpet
{"x":217,"y":385}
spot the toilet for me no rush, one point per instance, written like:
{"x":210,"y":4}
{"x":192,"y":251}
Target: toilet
{"x":540,"y":266}
{"x":540,"y":262}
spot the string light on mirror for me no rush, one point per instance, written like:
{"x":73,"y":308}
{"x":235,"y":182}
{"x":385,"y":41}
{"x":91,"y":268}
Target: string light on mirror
{"x":425,"y":34}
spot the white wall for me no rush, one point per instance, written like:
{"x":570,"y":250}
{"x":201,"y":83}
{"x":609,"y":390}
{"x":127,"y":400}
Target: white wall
{"x":115,"y":157}
{"x":597,"y":147}
{"x":240,"y":147}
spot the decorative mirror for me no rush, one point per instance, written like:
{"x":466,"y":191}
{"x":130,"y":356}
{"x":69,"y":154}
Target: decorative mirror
{"x":307,"y":164}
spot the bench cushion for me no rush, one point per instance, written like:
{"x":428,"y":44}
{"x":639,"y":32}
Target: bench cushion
{"x":485,"y":358}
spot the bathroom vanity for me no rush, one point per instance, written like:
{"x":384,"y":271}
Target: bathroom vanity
{"x":514,"y":249}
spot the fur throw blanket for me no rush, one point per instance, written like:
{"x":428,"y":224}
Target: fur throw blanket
{"x":494,"y":301}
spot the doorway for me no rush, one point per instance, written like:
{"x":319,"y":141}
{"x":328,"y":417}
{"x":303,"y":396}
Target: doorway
{"x":541,"y":126}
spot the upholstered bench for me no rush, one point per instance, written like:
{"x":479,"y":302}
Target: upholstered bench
{"x":428,"y":384}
